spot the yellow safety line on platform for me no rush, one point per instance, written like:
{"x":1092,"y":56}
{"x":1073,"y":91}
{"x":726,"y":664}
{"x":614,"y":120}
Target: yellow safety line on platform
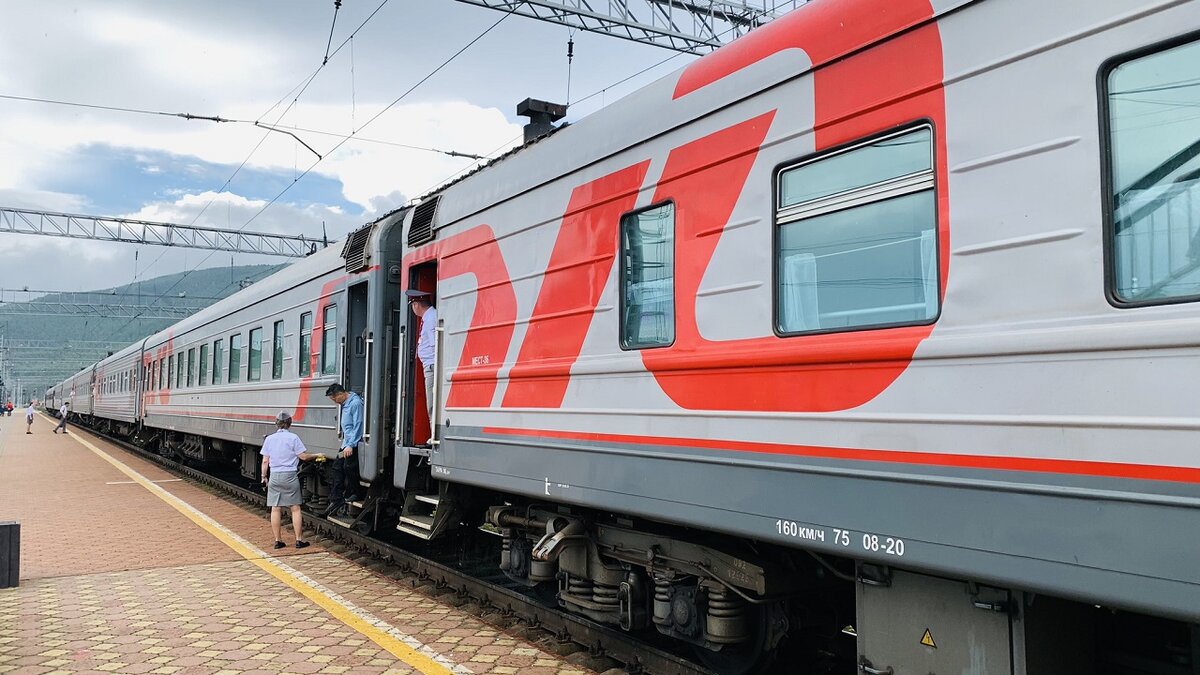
{"x":406,"y":648}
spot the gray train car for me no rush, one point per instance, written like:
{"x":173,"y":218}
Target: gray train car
{"x":117,"y":390}
{"x":216,"y":380}
{"x":909,"y":288}
{"x":78,"y":389}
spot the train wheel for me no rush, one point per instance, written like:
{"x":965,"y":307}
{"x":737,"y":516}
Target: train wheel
{"x":754,"y":655}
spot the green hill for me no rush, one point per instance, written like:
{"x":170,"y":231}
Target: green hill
{"x":107,"y":318}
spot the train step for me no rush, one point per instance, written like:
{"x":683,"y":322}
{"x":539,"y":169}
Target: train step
{"x":427,"y":515}
{"x":423,"y":522}
{"x":344,"y":521}
{"x":414,"y":531}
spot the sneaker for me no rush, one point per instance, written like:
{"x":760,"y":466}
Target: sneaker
{"x":333,"y":508}
{"x":300,"y":543}
{"x":279,"y":544}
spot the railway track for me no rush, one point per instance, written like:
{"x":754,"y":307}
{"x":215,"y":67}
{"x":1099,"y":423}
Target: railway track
{"x":578,"y":639}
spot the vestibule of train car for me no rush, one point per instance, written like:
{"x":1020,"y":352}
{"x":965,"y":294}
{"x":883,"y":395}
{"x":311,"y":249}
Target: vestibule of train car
{"x":414,"y":420}
{"x":358,"y":342}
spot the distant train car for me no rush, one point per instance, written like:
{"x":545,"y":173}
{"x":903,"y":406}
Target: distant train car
{"x":865,"y":339}
{"x":116,"y":391}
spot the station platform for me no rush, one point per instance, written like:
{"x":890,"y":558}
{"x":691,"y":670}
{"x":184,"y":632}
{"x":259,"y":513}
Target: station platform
{"x":127,"y":569}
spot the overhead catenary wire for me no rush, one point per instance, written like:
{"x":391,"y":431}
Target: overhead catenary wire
{"x":282,"y":128}
{"x":342,"y":142}
{"x":302,"y":87}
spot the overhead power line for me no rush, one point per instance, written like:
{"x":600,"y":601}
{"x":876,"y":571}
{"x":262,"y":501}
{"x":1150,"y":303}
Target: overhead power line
{"x":279,"y":128}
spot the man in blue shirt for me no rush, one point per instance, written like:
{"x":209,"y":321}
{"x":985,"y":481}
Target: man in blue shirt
{"x":345,"y":465}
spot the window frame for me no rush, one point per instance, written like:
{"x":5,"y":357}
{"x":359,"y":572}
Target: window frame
{"x":304,"y":358}
{"x":325,"y":326}
{"x":621,"y":305}
{"x":218,"y":357}
{"x":254,"y":371}
{"x":202,"y":376}
{"x":170,"y":371}
{"x":277,"y":335}
{"x":233,"y":375}
{"x":814,"y":157}
{"x":179,"y":365}
{"x":191,"y":368}
{"x":1107,"y":212}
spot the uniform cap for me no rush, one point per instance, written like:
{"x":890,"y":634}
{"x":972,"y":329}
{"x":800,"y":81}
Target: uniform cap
{"x":416,"y":293}
{"x":283,"y":416}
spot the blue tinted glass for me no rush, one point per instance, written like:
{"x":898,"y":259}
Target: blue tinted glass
{"x":1155,"y":129}
{"x":648,"y":277}
{"x":871,"y":265}
{"x":882,"y":160}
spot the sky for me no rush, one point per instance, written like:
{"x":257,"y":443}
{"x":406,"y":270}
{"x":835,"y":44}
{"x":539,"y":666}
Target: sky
{"x":246,"y":61}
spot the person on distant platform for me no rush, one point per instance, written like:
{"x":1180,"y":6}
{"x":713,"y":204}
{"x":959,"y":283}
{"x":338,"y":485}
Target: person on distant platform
{"x":344,"y":483}
{"x":421,"y":303}
{"x":29,"y":418}
{"x":282,"y":452}
{"x":62,"y":417}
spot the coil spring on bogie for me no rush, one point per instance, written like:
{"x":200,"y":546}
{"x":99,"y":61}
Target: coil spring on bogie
{"x":603,"y":594}
{"x":726,"y":622}
{"x":579,"y":587}
{"x":662,"y":589}
{"x":722,"y":603}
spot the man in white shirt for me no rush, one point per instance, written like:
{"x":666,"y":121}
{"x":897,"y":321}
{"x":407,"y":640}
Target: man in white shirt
{"x":62,"y":417}
{"x":29,"y":413}
{"x":422,"y":306}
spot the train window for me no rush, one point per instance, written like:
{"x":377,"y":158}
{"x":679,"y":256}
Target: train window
{"x":179,"y":366}
{"x":856,"y":244}
{"x":218,"y":359}
{"x":329,"y":342}
{"x":191,"y":371}
{"x":1154,"y":146}
{"x":648,"y":277}
{"x":235,"y":358}
{"x":254,"y":371}
{"x":305,"y":360}
{"x":203,"y":365}
{"x":170,"y":369}
{"x":277,"y":352}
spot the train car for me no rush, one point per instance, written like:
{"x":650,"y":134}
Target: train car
{"x":885,"y":310}
{"x":78,"y":390}
{"x":116,"y":386}
{"x":216,"y":380}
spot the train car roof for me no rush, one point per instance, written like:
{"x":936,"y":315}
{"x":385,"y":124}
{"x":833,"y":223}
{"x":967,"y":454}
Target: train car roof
{"x":814,"y":34}
{"x":322,"y":262}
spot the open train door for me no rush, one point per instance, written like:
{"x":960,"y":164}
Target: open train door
{"x":415,"y":431}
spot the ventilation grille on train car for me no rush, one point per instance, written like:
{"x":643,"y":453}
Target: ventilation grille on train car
{"x":421,"y":229}
{"x":355,"y":250}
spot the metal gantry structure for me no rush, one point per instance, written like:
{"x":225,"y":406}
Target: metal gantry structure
{"x":99,"y":304}
{"x":690,"y":26}
{"x":102,"y":228}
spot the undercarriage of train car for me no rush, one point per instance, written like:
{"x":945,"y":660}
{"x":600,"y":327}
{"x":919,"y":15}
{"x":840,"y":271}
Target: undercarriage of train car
{"x":747,"y":607}
{"x":732,"y":602}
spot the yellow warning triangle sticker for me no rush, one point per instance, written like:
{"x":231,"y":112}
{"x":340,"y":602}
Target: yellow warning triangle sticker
{"x":927,"y":639}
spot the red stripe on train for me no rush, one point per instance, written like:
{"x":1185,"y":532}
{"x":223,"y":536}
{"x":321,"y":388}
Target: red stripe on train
{"x":1028,"y":464}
